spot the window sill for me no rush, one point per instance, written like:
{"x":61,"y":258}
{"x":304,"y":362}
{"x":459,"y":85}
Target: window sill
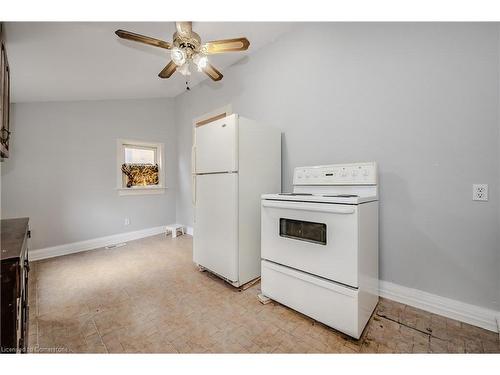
{"x":146,"y":190}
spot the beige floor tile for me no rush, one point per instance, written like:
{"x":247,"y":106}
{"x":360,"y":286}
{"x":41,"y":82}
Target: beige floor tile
{"x":149,"y":297}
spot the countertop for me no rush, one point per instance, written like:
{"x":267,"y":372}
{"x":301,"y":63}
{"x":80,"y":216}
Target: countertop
{"x":12,"y":235}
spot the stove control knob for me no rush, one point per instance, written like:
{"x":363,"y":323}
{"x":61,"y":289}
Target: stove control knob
{"x":343,"y":173}
{"x":365,"y":172}
{"x":354,"y":173}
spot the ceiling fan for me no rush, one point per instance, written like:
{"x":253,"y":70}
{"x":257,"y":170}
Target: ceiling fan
{"x":187,"y":48}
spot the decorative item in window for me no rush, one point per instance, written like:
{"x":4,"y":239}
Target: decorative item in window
{"x":141,"y":174}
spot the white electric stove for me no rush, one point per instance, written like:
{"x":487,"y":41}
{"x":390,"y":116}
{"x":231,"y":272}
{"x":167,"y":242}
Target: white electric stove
{"x":320,"y":245}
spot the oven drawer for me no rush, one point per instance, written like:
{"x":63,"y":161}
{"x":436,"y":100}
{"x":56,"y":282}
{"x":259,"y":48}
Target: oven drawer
{"x":318,"y":238}
{"x":330,"y":303}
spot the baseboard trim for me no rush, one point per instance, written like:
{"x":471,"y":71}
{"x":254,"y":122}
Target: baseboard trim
{"x":95,"y":243}
{"x":464,"y":312}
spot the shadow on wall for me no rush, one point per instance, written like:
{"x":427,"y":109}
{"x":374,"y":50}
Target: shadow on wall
{"x":286,"y":179}
{"x":220,"y":85}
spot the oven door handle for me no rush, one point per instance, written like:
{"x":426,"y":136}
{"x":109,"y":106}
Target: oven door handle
{"x":309,"y":207}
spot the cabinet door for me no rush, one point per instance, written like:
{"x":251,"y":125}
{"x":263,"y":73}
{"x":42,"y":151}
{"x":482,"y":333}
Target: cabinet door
{"x":25,"y":306}
{"x":10,"y":302}
{"x":4,"y":103}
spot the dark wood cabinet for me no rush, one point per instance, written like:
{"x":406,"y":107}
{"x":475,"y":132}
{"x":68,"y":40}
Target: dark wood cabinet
{"x":4,"y":98}
{"x":14,"y":282}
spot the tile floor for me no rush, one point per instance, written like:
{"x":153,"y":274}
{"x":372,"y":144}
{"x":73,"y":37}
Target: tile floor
{"x":149,"y":297}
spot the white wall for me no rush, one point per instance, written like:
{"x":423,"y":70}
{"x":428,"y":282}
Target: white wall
{"x":421,"y":100}
{"x":62,"y":169}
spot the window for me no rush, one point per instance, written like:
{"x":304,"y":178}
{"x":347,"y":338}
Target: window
{"x":303,"y":230}
{"x":140,"y":155}
{"x":139,"y":167}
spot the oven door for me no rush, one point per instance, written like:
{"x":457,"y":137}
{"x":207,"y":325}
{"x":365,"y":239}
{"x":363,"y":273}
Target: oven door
{"x":318,"y":238}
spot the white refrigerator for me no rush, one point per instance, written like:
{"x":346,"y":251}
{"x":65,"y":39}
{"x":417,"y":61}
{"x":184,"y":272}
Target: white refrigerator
{"x":234,"y":161}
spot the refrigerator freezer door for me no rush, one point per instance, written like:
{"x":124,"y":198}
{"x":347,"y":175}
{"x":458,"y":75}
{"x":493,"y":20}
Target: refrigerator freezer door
{"x":216,"y":146}
{"x":215,"y":245}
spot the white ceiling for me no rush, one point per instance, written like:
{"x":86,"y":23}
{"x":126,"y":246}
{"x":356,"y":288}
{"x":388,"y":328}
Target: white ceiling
{"x":55,"y":61}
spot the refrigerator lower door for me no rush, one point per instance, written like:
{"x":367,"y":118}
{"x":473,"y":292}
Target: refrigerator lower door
{"x":215,"y":244}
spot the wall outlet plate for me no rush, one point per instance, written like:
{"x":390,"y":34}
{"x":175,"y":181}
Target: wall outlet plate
{"x":126,"y":221}
{"x":480,"y":192}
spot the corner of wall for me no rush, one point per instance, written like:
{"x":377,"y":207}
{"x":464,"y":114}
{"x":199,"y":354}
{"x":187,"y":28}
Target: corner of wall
{"x":498,"y":171}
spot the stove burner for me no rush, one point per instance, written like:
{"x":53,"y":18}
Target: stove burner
{"x":293,"y":194}
{"x":342,"y":196}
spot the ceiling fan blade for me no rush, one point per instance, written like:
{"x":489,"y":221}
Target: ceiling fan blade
{"x":184,"y":28}
{"x":213,"y":73}
{"x":225,"y":45}
{"x":168,"y":70}
{"x":143,"y":39}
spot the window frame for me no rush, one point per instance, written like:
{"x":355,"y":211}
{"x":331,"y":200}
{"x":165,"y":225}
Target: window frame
{"x":120,"y":160}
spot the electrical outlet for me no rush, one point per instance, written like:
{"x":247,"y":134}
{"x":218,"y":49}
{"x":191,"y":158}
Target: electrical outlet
{"x":480,"y":192}
{"x":126,"y":222}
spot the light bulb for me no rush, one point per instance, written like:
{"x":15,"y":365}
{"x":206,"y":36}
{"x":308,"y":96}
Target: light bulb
{"x":200,"y":61}
{"x":178,"y":56}
{"x":184,"y":70}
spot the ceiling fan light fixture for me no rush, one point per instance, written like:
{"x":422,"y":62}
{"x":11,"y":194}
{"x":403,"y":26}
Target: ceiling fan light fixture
{"x":200,"y":61}
{"x":184,"y":70}
{"x":186,"y":48}
{"x":178,"y":56}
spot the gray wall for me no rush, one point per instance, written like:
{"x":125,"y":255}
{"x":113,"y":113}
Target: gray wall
{"x":62,"y":171}
{"x":421,"y":100}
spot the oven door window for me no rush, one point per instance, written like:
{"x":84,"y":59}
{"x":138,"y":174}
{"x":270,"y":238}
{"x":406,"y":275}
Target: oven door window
{"x":303,"y":230}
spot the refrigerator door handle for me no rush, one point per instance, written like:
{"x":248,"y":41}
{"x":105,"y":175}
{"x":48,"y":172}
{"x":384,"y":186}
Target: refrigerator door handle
{"x":193,"y":194}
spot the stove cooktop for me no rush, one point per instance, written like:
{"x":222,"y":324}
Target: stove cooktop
{"x":294,"y":194}
{"x":341,"y":195}
{"x":321,"y":198}
{"x":321,"y":195}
